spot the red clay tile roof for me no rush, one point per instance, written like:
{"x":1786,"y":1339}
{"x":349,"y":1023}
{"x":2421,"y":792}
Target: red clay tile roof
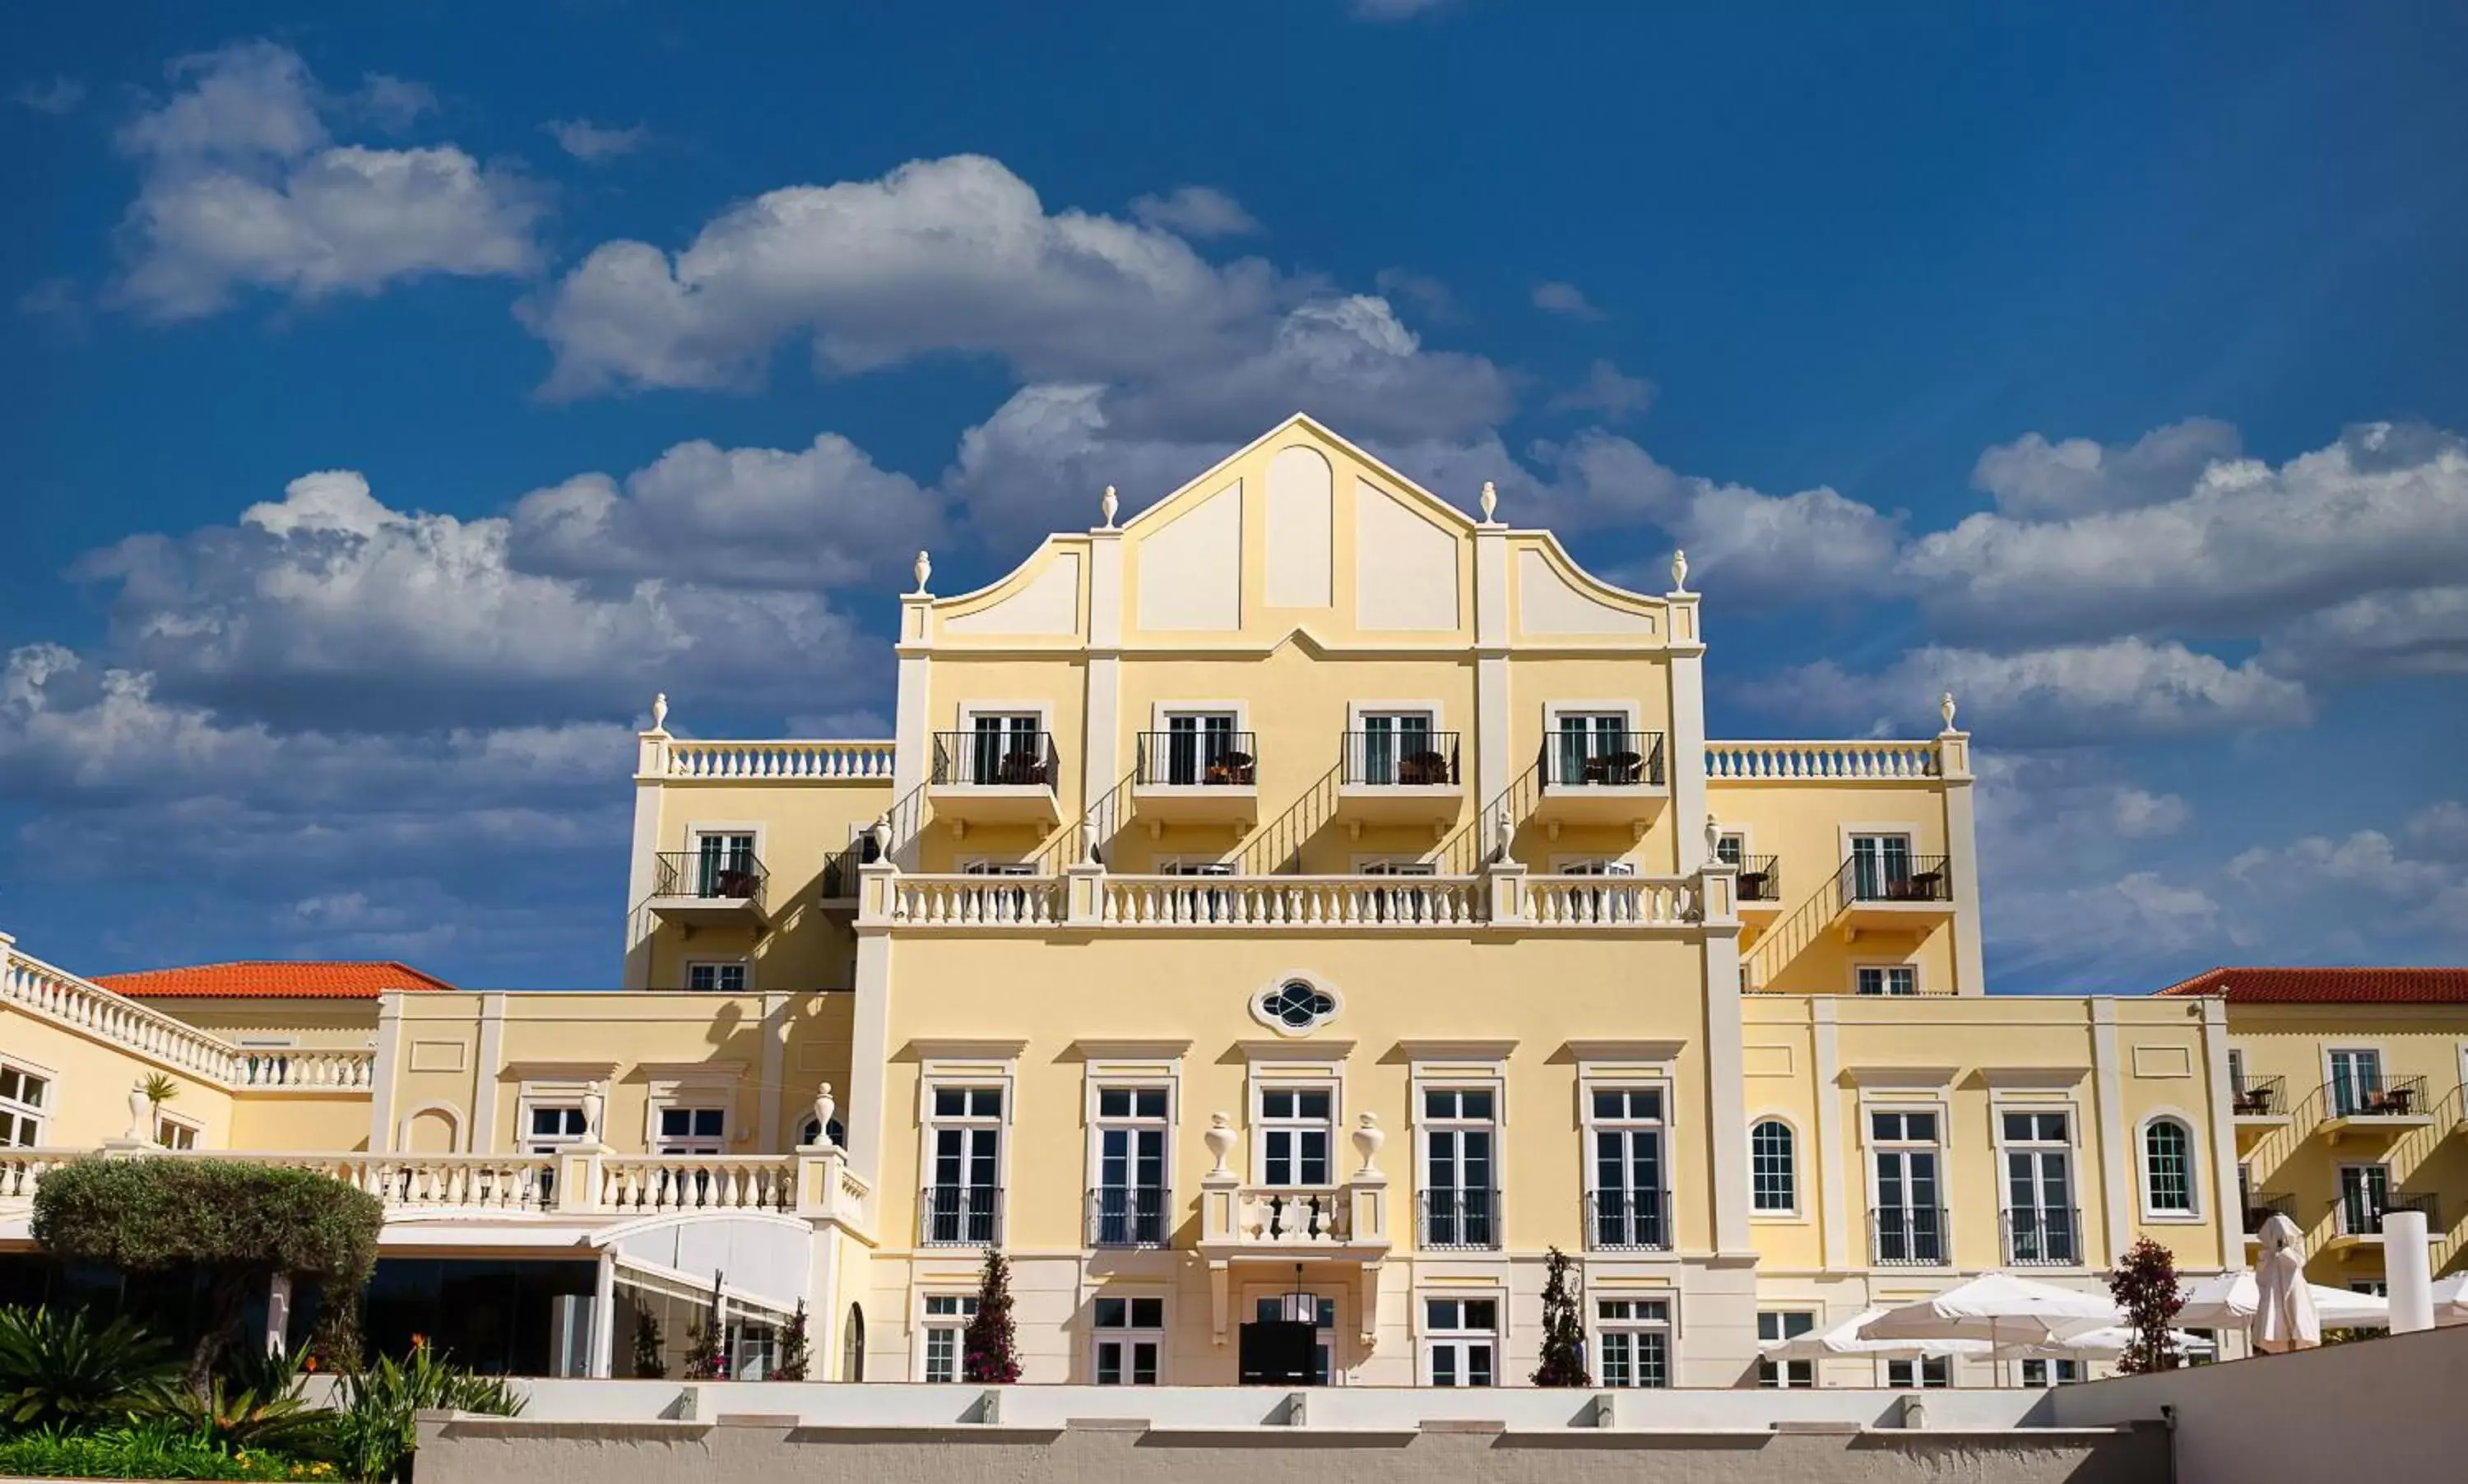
{"x":2330,"y":985}
{"x":276,"y":979}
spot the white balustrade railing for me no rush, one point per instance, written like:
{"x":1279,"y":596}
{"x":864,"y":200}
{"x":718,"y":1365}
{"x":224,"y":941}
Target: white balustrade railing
{"x":346,"y":1070}
{"x":1274,"y":1216}
{"x":766,"y":760}
{"x":1856,"y":761}
{"x":698,"y":1183}
{"x":437,"y":1183}
{"x":974,"y":901}
{"x":21,"y":1168}
{"x":1292,"y":900}
{"x":1608,"y":901}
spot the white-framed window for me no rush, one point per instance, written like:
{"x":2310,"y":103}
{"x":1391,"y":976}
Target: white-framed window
{"x":722,"y":977}
{"x":1592,"y":866}
{"x":1297,"y":1127}
{"x":1629,"y":1197}
{"x":1632,"y":1336}
{"x":1460,"y":1133}
{"x":1295,"y":1006}
{"x":1130,"y":1186}
{"x":2042,"y":1227}
{"x":1885,"y":979}
{"x":1774,"y":1168}
{"x":1881,"y":866}
{"x":946,"y":1321}
{"x":2050,"y":1373}
{"x":25,"y":1098}
{"x":174,"y":1133}
{"x":1460,"y":1342}
{"x":1774,"y":1326}
{"x":726,"y":863}
{"x":692,"y":1129}
{"x":1906,"y":1192}
{"x":999,"y":747}
{"x":1933,"y":1373}
{"x":964,"y":1137}
{"x":2168,"y":1167}
{"x":1202,"y":745}
{"x":1393,"y":746}
{"x":549,"y":1126}
{"x":1596,"y":745}
{"x":1294,"y":1307}
{"x":1131,"y":1340}
{"x":2356,"y":1079}
{"x":2364,"y":1197}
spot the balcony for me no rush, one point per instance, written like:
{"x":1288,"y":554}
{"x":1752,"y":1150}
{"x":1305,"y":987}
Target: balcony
{"x":1601,"y":778}
{"x":1301,"y":1221}
{"x":1407,"y":777}
{"x":2370,"y":1106}
{"x":2259,"y":1209}
{"x":1910,"y":1237}
{"x":2258,"y":1105}
{"x":1622,"y":1220}
{"x":1130,"y":1216}
{"x":994,"y":778}
{"x":710,"y":889}
{"x":1205,"y":777}
{"x":1458,"y":1221}
{"x":2043,"y":1238}
{"x":1758,"y":891}
{"x":837,"y":892}
{"x":2357,"y":1217}
{"x":1892,"y":894}
{"x":960,"y":1216}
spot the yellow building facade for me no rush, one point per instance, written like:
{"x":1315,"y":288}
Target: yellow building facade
{"x":1298,"y":902}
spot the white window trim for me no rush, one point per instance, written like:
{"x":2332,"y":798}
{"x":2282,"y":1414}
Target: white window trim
{"x":1318,"y":982}
{"x":1953,"y":1373}
{"x":1896,"y":1101}
{"x":1575,"y":864}
{"x":1553,"y":711}
{"x":2381,"y":1056}
{"x":1282,"y":1080}
{"x":920,"y":1322}
{"x":2001,"y":1103}
{"x":1357,"y":710}
{"x":1747,"y":834}
{"x":970,"y":710}
{"x":162,"y":1116}
{"x":1163,"y":1333}
{"x":42,"y":1110}
{"x":549,"y":1093}
{"x":2193,"y":1215}
{"x":1430,"y":867}
{"x":968,"y":865}
{"x":1911,"y":829}
{"x":700,"y":1086}
{"x":1919,"y":986}
{"x":1425,"y":1337}
{"x":1611,"y":1075}
{"x":938,"y":1075}
{"x":1161,"y":713}
{"x":1814,"y":1311}
{"x":1668,"y":1298}
{"x":1798,"y":1211}
{"x":744,"y":961}
{"x":1123,"y":1076}
{"x":697,"y":829}
{"x":1489,"y":1077}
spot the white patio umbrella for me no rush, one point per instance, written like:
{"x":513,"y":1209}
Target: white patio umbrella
{"x":2229,"y":1300}
{"x":2000,"y":1308}
{"x":1843,"y":1339}
{"x":2283,"y":1317}
{"x":2111,"y":1341}
{"x":2450,"y":1300}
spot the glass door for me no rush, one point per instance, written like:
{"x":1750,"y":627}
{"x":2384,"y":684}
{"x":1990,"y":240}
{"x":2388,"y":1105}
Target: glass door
{"x":1880,"y":865}
{"x":724,"y":865}
{"x":2356,"y":1076}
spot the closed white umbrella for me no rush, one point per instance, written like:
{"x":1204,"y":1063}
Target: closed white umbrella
{"x":2000,"y":1308}
{"x":2229,"y":1300}
{"x":2450,"y":1300}
{"x":2283,"y":1317}
{"x":1843,"y":1339}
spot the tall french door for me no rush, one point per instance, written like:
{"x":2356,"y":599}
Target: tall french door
{"x":1389,"y":736}
{"x":1196,"y":743}
{"x":1880,"y":864}
{"x":2356,"y":1076}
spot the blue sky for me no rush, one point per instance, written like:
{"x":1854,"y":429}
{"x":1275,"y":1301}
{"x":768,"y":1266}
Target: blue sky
{"x":393,"y":404}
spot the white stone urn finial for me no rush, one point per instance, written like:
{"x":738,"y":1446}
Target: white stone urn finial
{"x":924,"y":570}
{"x":1678,"y":571}
{"x":660,"y":712}
{"x":1945,"y":709}
{"x":141,"y":1113}
{"x":1368,"y":1136}
{"x":1490,"y":499}
{"x":1502,"y":830}
{"x":595,"y":1107}
{"x":1219,"y":1139}
{"x":1108,"y":505}
{"x":825,"y":1106}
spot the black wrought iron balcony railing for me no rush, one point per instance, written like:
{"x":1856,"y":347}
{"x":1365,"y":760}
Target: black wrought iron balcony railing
{"x":1400,"y":760}
{"x":1626,"y":1220}
{"x":1129,"y":1215}
{"x":1460,"y":1220}
{"x":1020,"y":759}
{"x":1909,"y":1236}
{"x":960,"y":1216}
{"x":1576,"y":760}
{"x":1197,"y":758}
{"x":2360,"y":1213}
{"x":1761,"y":879}
{"x":2359,"y":1095}
{"x":2259,"y":1209}
{"x":723,"y":875}
{"x":1894,"y":879}
{"x":2259,"y":1097}
{"x":2048,"y":1238}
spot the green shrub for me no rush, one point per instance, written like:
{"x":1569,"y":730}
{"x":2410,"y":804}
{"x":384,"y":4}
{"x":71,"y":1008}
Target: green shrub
{"x":153,"y":1450}
{"x":246,"y":1222}
{"x":377,"y":1431}
{"x":253,"y":1406}
{"x":66,"y":1373}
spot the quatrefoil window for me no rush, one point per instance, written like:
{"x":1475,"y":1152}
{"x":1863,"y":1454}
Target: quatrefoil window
{"x":1295,"y":1006}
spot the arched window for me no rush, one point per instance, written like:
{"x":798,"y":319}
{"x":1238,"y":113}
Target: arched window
{"x":852,"y":1346}
{"x":2168,"y":1167}
{"x":1773,"y":1175}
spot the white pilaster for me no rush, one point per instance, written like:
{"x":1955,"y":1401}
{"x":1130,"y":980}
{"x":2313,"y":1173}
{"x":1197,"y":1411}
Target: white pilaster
{"x":1102,"y":741}
{"x":2228,"y":1203}
{"x":2108,"y":1093}
{"x":1686,"y":763}
{"x":1963,"y":847}
{"x":481,"y":1137}
{"x":864,"y":1115}
{"x":1726,"y":1092}
{"x":651,"y":772}
{"x":381,"y":1081}
{"x":1833,"y":1192}
{"x":603,"y":1318}
{"x":767,"y":1138}
{"x":1492,"y":767}
{"x":913,"y":719}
